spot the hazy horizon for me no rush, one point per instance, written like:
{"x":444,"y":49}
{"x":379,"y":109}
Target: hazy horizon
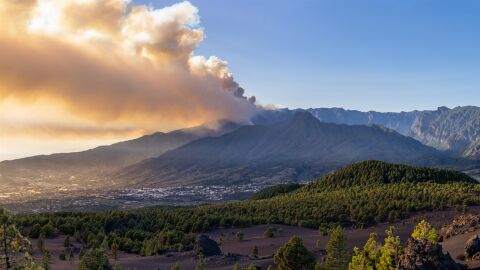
{"x":72,"y":147}
{"x":69,"y":82}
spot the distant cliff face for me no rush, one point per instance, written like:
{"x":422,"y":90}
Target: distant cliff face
{"x":473,"y":150}
{"x":400,"y":122}
{"x":456,"y":130}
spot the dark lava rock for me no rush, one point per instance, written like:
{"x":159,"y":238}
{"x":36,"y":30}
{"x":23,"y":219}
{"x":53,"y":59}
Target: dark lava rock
{"x":424,"y":255}
{"x":460,"y":225}
{"x":206,"y":246}
{"x":472,"y":248}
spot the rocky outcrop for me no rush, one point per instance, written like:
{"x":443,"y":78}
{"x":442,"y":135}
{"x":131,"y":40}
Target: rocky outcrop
{"x":206,"y":246}
{"x":472,"y":248}
{"x":473,"y":150}
{"x":460,"y":225}
{"x":425,"y":255}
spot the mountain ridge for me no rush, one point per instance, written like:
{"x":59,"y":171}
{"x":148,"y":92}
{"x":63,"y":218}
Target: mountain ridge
{"x":271,"y":158}
{"x":104,"y":159}
{"x":456,"y":130}
{"x":281,"y":150}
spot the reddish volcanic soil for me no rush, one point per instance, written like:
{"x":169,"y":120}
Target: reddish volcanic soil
{"x":456,"y":246}
{"x":254,"y":236}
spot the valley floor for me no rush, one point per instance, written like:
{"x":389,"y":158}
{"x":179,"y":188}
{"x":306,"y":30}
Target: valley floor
{"x":254,"y":236}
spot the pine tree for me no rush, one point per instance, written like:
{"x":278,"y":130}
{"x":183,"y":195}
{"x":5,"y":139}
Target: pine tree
{"x":40,"y":244}
{"x":77,"y":236}
{"x":239,"y":236}
{"x":35,"y":231}
{"x":425,"y":231}
{"x":368,"y":257}
{"x":337,"y":256}
{"x":14,"y":248}
{"x":71,"y":256}
{"x":254,"y":253}
{"x":82,"y":252}
{"x":200,"y":263}
{"x":294,"y":256}
{"x":66,"y":243}
{"x":375,"y":256}
{"x":390,"y":251}
{"x":94,"y":259}
{"x":147,"y":247}
{"x":269,"y":233}
{"x":104,"y":244}
{"x":46,"y":260}
{"x":114,"y":249}
{"x":62,"y":256}
{"x":48,"y":231}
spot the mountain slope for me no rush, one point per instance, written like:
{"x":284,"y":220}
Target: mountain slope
{"x":456,"y":130}
{"x":298,"y":149}
{"x":95,"y":162}
{"x":118,"y":154}
{"x":473,"y":150}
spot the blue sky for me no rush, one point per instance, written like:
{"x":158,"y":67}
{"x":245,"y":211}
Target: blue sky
{"x":370,"y":55}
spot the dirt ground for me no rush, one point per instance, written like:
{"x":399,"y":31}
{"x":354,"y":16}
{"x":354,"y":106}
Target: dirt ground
{"x":455,"y":246}
{"x":254,"y":236}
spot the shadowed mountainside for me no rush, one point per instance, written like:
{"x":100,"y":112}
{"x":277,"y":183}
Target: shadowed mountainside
{"x":107,"y":158}
{"x":298,"y":149}
{"x":456,"y":130}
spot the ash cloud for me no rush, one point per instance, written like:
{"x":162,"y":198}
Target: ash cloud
{"x":113,"y":64}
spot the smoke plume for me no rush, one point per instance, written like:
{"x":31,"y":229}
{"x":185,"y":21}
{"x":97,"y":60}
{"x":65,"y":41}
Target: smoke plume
{"x":94,"y":66}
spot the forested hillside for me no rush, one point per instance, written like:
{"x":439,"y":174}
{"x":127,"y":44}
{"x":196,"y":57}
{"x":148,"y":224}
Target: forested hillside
{"x":378,"y":172}
{"x":393,"y":193}
{"x":275,"y":190}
